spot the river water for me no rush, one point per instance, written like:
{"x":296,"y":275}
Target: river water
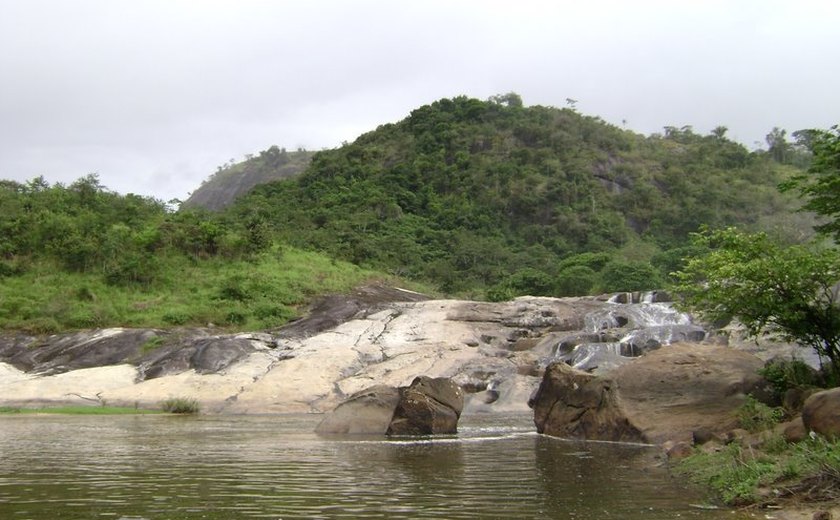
{"x":229,"y":467}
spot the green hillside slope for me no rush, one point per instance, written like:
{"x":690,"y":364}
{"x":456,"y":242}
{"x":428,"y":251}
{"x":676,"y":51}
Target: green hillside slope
{"x":495,"y":196}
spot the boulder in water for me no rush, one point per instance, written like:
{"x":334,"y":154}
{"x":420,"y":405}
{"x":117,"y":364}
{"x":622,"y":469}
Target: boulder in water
{"x":426,"y":407}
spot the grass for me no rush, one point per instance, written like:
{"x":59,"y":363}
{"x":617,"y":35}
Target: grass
{"x":181,"y":405}
{"x":261,"y":293}
{"x":78,"y":410}
{"x":809,"y":470}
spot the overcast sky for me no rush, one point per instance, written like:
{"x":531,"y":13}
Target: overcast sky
{"x":154,"y":95}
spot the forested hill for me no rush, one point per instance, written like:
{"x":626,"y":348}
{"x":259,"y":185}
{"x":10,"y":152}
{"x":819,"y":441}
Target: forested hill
{"x":476,"y":195}
{"x":236,"y":179}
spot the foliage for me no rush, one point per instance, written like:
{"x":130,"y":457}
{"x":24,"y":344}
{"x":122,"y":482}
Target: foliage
{"x":735,"y":473}
{"x":180,"y":405}
{"x":790,"y":291}
{"x":788,"y":374}
{"x":820,"y":186}
{"x":471,"y":194}
{"x":755,"y":416}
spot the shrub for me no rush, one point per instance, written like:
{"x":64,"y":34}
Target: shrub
{"x":784,"y":375}
{"x":180,"y":405}
{"x":755,"y":416}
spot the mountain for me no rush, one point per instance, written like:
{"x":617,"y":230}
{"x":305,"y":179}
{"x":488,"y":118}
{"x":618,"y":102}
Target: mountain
{"x":495,"y":196}
{"x":234,"y":180}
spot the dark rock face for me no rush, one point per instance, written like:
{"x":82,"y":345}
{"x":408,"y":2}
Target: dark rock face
{"x":58,"y":354}
{"x":666,"y":394}
{"x":821,"y":413}
{"x":428,"y":406}
{"x":207,"y":355}
{"x":574,"y":404}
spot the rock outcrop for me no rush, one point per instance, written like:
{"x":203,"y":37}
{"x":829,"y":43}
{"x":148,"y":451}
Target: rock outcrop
{"x":496,"y":352}
{"x":426,"y":407}
{"x":668,"y":394}
{"x":821,"y":413}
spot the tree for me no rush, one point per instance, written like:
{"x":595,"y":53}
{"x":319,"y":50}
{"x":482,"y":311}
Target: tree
{"x":777,"y":144}
{"x":790,"y":291}
{"x":820,"y":186}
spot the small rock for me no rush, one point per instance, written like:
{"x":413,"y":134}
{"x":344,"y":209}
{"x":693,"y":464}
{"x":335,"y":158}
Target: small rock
{"x":822,"y":515}
{"x":679,"y":450}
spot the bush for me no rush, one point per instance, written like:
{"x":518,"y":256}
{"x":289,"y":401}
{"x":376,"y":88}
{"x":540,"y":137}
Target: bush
{"x":181,"y":405}
{"x":755,"y":416}
{"x":620,"y":276}
{"x":576,"y":280}
{"x":784,"y":375}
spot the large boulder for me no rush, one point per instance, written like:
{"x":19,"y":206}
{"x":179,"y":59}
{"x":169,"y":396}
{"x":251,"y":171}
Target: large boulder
{"x":428,"y":406}
{"x":366,"y":412}
{"x":575,"y":404}
{"x":821,"y":413}
{"x":666,"y":394}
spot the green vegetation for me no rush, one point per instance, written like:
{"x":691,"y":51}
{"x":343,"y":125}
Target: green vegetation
{"x":786,"y":290}
{"x":820,"y":186}
{"x":495,"y":198}
{"x":82,"y":257}
{"x":181,"y":405}
{"x":755,"y":416}
{"x":741,"y":475}
{"x":78,"y":410}
{"x":477,"y":198}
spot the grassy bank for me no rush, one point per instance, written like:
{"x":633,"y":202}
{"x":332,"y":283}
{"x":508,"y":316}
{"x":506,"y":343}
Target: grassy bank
{"x":262,"y":292}
{"x":762,"y":467}
{"x":78,"y":410}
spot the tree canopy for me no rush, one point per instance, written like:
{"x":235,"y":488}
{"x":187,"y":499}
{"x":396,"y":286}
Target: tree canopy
{"x":791,"y":291}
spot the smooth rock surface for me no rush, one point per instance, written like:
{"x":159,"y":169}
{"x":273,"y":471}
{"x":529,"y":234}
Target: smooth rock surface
{"x":664,"y":395}
{"x":821,"y":413}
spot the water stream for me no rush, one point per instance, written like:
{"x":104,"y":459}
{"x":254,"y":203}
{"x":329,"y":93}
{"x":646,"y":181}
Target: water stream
{"x":613,"y":335}
{"x":228,"y":467}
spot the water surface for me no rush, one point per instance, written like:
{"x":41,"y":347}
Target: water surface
{"x":227,"y":467}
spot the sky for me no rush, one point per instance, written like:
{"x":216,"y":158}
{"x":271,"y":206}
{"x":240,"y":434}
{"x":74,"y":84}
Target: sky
{"x":155,"y":95}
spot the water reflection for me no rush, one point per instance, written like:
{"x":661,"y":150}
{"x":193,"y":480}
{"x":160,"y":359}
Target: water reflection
{"x":275,"y":467}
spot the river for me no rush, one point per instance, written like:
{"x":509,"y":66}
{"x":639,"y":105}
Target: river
{"x":229,"y":467}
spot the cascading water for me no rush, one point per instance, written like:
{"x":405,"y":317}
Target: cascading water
{"x":622,"y":331}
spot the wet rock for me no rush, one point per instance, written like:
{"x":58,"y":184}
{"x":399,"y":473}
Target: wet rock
{"x":426,"y":407}
{"x":574,"y":404}
{"x":366,"y":412}
{"x":821,"y":413}
{"x":678,"y":450}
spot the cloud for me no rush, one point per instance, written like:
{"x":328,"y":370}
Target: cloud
{"x":155,"y":95}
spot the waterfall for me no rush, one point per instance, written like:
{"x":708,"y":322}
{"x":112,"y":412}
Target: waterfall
{"x":636,"y":328}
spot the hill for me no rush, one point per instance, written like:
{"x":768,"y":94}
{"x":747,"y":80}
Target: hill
{"x":237,"y":179}
{"x":495,"y":196}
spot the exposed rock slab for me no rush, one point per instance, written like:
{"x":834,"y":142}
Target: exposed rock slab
{"x":496,"y":351}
